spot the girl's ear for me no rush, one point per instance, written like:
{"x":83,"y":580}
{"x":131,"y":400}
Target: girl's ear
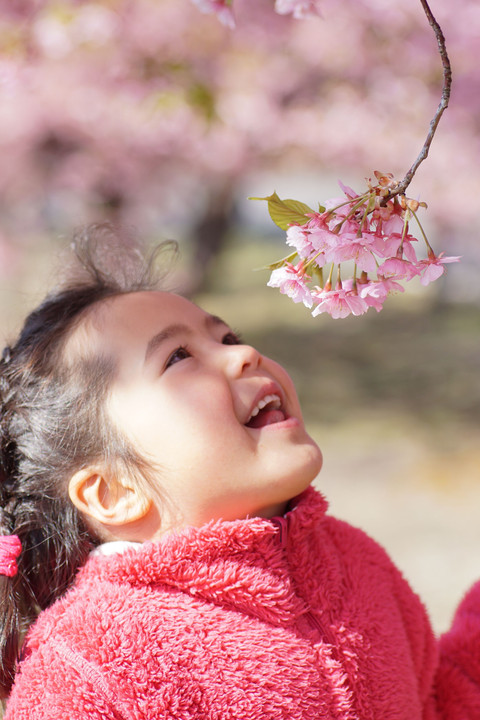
{"x":108,"y":501}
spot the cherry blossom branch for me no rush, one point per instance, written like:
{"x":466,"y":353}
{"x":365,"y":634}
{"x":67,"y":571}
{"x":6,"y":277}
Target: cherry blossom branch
{"x":371,"y":230}
{"x":359,"y":229}
{"x":447,"y":83}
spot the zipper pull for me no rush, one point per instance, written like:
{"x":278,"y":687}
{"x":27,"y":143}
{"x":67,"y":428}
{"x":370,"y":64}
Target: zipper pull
{"x":282,"y":525}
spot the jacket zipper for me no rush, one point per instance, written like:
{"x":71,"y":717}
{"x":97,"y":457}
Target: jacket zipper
{"x":324,"y":632}
{"x":281,"y":524}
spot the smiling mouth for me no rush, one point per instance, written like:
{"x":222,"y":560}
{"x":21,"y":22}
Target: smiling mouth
{"x":267,"y":411}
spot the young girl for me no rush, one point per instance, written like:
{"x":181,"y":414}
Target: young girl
{"x":158,"y":518}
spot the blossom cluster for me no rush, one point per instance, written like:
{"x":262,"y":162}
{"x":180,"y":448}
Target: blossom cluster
{"x":370,"y":232}
{"x":224,"y":9}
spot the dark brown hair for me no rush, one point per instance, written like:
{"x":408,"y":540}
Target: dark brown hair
{"x":53,"y":423}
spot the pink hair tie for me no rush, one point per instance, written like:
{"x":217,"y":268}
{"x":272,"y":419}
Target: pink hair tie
{"x":10,"y":549}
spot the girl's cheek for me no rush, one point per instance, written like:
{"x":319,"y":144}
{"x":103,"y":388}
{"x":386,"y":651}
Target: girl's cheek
{"x":283,"y":375}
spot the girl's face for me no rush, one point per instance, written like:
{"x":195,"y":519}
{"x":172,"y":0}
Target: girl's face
{"x":220,"y":421}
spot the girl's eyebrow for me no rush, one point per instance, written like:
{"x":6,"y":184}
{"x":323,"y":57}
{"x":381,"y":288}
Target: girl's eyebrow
{"x":176,"y":329}
{"x":168,"y":332}
{"x":213,"y":320}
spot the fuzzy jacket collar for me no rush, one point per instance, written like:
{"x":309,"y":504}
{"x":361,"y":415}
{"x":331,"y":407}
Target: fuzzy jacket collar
{"x":222,"y":562}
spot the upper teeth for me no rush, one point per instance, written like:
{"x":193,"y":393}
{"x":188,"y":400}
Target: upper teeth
{"x":264,"y":402}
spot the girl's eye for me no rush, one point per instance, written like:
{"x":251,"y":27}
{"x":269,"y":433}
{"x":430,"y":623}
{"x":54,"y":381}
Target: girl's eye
{"x":180,"y":353}
{"x":232,"y":338}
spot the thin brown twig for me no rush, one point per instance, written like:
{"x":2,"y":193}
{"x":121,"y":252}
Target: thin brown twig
{"x":447,"y":84}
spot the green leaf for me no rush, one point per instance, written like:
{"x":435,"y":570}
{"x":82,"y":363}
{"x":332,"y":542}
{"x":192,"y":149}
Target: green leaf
{"x":286,"y":212}
{"x":279,"y":263}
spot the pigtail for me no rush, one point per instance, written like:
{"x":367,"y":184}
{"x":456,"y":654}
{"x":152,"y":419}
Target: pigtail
{"x":9,"y":597}
{"x":11,"y":622}
{"x":50,"y":537}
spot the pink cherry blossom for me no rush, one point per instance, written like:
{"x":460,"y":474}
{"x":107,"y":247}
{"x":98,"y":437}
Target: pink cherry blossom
{"x":393,"y":242}
{"x":432,"y":268}
{"x":291,"y":281}
{"x":351,"y":247}
{"x":299,"y":237}
{"x":338,"y":216}
{"x":322,"y":240}
{"x":366,"y":231}
{"x":339,"y":303}
{"x":313,"y":239}
{"x":298,"y":8}
{"x":341,"y":224}
{"x":394,"y":224}
{"x":349,"y":192}
{"x":399,"y":268}
{"x":375,"y":292}
{"x":374,"y":301}
{"x":222,"y":9}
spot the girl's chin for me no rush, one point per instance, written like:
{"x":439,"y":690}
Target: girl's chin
{"x":299,"y":481}
{"x":313,"y":462}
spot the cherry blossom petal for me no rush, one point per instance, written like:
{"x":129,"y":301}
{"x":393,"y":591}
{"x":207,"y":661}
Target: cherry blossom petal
{"x":298,"y":8}
{"x":299,"y":238}
{"x":432,"y":268}
{"x":375,"y":292}
{"x":401,"y":269}
{"x":350,"y":247}
{"x":291,"y":283}
{"x":394,"y":225}
{"x":339,"y":303}
{"x":222,"y":9}
{"x":393,"y":243}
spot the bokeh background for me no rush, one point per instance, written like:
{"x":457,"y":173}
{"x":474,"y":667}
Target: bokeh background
{"x":149,"y":114}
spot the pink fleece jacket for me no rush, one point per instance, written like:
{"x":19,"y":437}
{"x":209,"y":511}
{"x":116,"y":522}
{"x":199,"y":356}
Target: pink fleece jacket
{"x":300,"y":617}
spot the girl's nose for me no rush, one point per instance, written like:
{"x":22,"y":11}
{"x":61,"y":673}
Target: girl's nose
{"x":240,"y":358}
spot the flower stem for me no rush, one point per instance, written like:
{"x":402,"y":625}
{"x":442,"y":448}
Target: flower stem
{"x":429,"y":247}
{"x":311,"y":261}
{"x":357,"y":203}
{"x":328,"y":284}
{"x":358,"y":199}
{"x":447,"y":84}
